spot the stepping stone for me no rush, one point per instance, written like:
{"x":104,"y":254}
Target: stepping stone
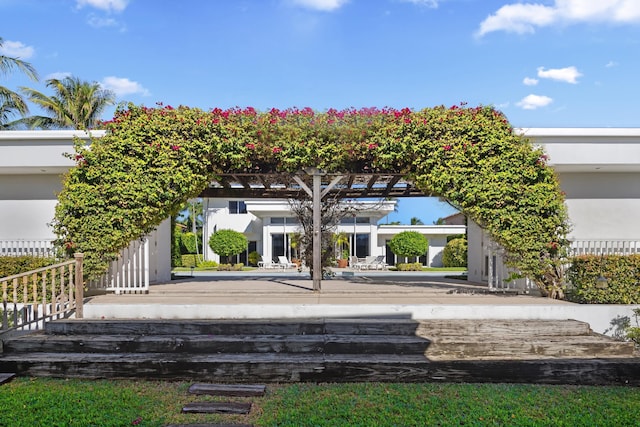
{"x":216,"y":408}
{"x":5,"y":378}
{"x":245,"y":390}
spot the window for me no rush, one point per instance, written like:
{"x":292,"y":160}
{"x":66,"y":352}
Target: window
{"x":362,"y":245}
{"x":237,"y":207}
{"x":349,"y":220}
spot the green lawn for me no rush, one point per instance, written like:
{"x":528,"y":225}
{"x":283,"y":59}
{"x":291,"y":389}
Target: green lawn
{"x":47,"y":402}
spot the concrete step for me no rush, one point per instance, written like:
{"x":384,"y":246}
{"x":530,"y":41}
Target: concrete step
{"x":283,"y":368}
{"x":329,"y":343}
{"x":355,"y":326}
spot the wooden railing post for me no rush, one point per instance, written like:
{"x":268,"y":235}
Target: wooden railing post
{"x":79,"y":286}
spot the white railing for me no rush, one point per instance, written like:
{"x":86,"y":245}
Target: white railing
{"x":129,"y":273}
{"x":605,"y":247}
{"x":29,"y":299}
{"x":497,"y":274}
{"x":34,"y":247}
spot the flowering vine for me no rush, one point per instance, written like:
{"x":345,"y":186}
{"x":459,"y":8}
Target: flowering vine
{"x":153,"y":159}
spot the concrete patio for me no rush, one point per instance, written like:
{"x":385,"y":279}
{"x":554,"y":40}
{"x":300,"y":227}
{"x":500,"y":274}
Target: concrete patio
{"x":289,"y":294}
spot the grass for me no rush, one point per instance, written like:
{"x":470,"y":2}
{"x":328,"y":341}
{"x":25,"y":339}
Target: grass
{"x":54,"y":402}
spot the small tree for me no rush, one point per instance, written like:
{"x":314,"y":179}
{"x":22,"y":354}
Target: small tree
{"x":227,"y":243}
{"x":409,"y":244}
{"x":455,"y":253}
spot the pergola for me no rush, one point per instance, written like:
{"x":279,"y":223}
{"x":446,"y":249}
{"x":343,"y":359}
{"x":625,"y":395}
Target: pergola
{"x":316,"y":185}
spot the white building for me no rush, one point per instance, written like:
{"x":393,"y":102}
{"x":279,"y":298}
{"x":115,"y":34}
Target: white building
{"x":269,"y":224}
{"x":599,"y":170}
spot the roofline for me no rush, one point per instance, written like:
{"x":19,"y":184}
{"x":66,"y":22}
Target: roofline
{"x":581,"y":132}
{"x":49,"y":134}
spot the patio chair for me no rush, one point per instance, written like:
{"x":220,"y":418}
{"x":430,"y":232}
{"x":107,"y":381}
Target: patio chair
{"x":284,"y":262}
{"x":265,"y":264}
{"x":374,"y":263}
{"x":355,"y":262}
{"x":379,"y":263}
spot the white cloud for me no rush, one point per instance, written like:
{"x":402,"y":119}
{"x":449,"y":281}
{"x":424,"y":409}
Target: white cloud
{"x":567,"y":74}
{"x":98,"y":22}
{"x":122,"y":86}
{"x":428,"y":3}
{"x":58,"y":75}
{"x":107,"y":5}
{"x":611,"y":64}
{"x":529,"y":81}
{"x":526,"y":17}
{"x":323,"y":5}
{"x":16,"y":50}
{"x":532,"y":102}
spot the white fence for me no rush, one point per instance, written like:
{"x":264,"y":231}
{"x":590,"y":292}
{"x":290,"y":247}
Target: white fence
{"x":19,"y":247}
{"x":498,"y":275}
{"x":605,"y":247}
{"x":129,"y":273}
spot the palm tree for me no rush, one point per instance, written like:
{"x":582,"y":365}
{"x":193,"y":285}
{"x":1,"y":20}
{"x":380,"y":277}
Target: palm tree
{"x":76,"y":104}
{"x":416,"y":221}
{"x":11,"y":102}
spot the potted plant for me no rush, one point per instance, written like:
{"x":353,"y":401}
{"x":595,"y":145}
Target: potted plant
{"x":341,"y":241}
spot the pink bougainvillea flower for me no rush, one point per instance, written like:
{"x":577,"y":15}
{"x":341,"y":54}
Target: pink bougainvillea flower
{"x":447,"y":147}
{"x":373,"y":146}
{"x":175,"y":147}
{"x":277,"y":149}
{"x":250,"y":146}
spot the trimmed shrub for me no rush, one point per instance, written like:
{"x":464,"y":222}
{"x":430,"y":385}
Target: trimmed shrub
{"x":621,"y":271}
{"x":208,"y":264}
{"x":230,"y":267}
{"x":190,"y":260}
{"x":411,"y":266}
{"x":455,"y":253}
{"x":254,"y":257}
{"x":188,"y":242}
{"x":228,"y":242}
{"x":10,"y":265}
{"x":409,"y":244}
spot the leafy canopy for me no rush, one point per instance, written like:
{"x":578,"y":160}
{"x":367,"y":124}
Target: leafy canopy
{"x":409,"y":244}
{"x":154,"y":159}
{"x":228,"y":242}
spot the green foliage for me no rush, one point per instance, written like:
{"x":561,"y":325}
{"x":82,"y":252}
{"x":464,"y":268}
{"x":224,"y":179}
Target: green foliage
{"x":228,"y":242}
{"x":455,"y":253}
{"x":176,"y":232}
{"x":230,"y":267}
{"x":10,"y":265}
{"x":189,"y":243}
{"x":411,"y":266}
{"x":253,"y":258}
{"x":621,"y":271}
{"x":191,"y":260}
{"x":408,"y":244}
{"x":456,"y":236}
{"x":207,"y":264}
{"x":152,"y":160}
{"x":633,"y":332}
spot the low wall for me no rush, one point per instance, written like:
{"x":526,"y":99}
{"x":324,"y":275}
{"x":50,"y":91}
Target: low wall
{"x":602,"y":318}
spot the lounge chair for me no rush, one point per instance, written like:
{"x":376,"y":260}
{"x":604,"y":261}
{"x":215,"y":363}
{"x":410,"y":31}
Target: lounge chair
{"x":284,"y":262}
{"x":265,"y":264}
{"x":356,"y":263}
{"x":374,"y":263}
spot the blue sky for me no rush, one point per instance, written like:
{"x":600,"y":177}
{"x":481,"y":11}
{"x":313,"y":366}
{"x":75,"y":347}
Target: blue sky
{"x":544,"y":63}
